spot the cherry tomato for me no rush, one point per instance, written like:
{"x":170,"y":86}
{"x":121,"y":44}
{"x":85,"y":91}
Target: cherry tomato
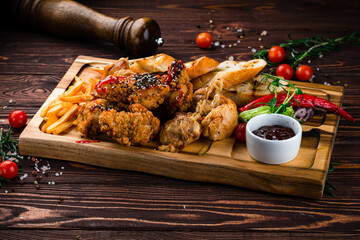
{"x":240,"y":132}
{"x":204,"y":40}
{"x":17,"y":119}
{"x":285,"y":70}
{"x":304,"y":73}
{"x":8,"y":169}
{"x":276,"y":54}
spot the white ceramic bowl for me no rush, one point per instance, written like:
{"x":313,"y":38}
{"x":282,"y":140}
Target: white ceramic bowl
{"x":273,"y":151}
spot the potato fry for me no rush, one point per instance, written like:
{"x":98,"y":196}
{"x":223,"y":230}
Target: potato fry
{"x":77,"y":98}
{"x":45,"y":109}
{"x":64,"y":118}
{"x":90,"y":87}
{"x":52,"y":118}
{"x":62,"y":112}
{"x":67,"y":105}
{"x":55,"y":109}
{"x":74,"y":89}
{"x":62,"y":127}
{"x":73,"y":99}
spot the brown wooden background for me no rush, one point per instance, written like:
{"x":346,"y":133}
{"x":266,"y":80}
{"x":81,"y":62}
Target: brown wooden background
{"x":98,"y":203}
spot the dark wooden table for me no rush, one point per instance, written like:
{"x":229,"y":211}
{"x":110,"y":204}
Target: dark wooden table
{"x":97,"y":203}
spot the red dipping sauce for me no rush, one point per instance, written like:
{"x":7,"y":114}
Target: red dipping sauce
{"x":276,"y":132}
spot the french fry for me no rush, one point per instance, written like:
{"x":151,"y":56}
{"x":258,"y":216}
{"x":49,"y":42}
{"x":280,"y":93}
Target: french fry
{"x":62,"y":112}
{"x":62,"y":127}
{"x":51,"y":119}
{"x":45,"y":109}
{"x":74,"y":89}
{"x":55,"y":109}
{"x":90,"y":87}
{"x":67,"y":105}
{"x":64,"y":118}
{"x":76,"y":98}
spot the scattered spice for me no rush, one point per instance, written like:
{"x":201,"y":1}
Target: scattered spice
{"x":263,"y":33}
{"x":61,"y":199}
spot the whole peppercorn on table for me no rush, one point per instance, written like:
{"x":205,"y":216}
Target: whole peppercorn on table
{"x":54,"y":199}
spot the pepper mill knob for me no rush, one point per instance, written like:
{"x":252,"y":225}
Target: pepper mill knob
{"x":140,"y":37}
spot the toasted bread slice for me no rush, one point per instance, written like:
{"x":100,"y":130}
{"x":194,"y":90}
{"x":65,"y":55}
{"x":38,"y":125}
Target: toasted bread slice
{"x":200,"y":66}
{"x":152,"y":64}
{"x":249,"y":90}
{"x":231,"y":73}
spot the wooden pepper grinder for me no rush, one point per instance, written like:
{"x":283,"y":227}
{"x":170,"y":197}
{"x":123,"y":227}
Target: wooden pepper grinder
{"x":140,"y":37}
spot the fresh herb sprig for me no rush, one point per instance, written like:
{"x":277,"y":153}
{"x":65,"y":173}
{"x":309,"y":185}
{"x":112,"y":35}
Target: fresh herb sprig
{"x":275,"y":82}
{"x":315,"y":46}
{"x":7,"y":145}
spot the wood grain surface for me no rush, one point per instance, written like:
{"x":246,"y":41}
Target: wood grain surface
{"x":99,"y":203}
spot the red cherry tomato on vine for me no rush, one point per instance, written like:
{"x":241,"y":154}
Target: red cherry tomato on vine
{"x":285,"y":70}
{"x":240,"y":132}
{"x":8,"y":169}
{"x":204,"y":40}
{"x":304,"y":73}
{"x":17,"y":119}
{"x":276,"y":54}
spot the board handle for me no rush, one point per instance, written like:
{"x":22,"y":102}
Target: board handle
{"x":140,"y":37}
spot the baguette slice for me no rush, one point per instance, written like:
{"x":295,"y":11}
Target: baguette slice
{"x":152,"y":64}
{"x":249,"y":90}
{"x":231,"y":72}
{"x":200,"y":66}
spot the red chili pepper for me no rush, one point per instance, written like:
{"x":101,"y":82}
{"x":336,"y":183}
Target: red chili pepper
{"x":301,"y":100}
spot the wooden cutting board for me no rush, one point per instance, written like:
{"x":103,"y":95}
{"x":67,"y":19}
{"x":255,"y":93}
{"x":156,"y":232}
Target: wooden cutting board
{"x":225,"y":162}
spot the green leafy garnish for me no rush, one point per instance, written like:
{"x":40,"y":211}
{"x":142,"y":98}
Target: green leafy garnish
{"x":7,"y":147}
{"x":308,"y":47}
{"x":274,"y":83}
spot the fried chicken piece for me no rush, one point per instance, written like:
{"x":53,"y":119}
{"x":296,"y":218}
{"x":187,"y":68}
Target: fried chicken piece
{"x":221,"y":121}
{"x":181,"y":89}
{"x":135,"y":127}
{"x":88,"y":117}
{"x":179,"y":132}
{"x":119,"y":68}
{"x":146,"y":89}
